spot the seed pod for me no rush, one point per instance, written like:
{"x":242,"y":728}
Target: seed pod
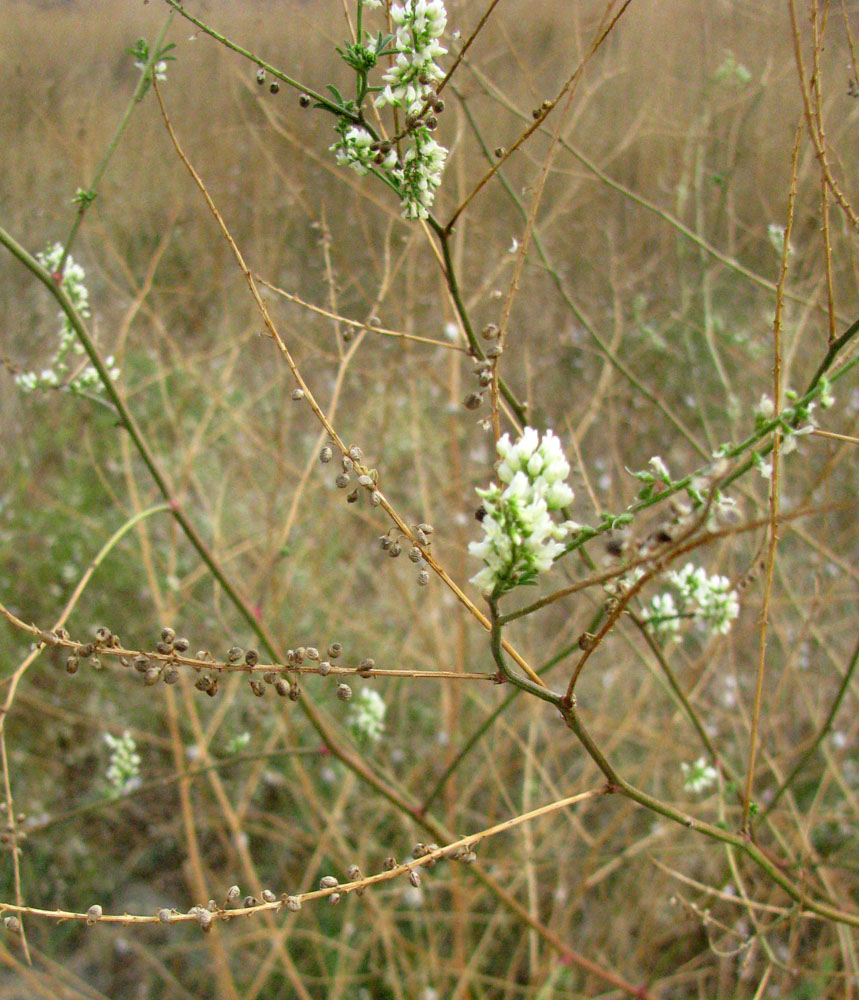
{"x":268,"y":896}
{"x":484,"y":379}
{"x":312,"y":653}
{"x":294,"y":691}
{"x":365,"y":480}
{"x":304,"y":101}
{"x":93,"y":914}
{"x":282,"y":687}
{"x":499,"y":151}
{"x":274,"y":87}
{"x":335,"y":649}
{"x":181,"y":646}
{"x":427,"y":529}
{"x":140,"y":663}
{"x":252,"y":657}
{"x":324,"y":668}
{"x":164,"y":648}
{"x":344,"y":692}
{"x":260,"y":76}
{"x":375,"y":498}
{"x":415,"y":554}
{"x":366,"y":666}
{"x":353,"y":496}
{"x":326,"y":454}
{"x":102,"y":635}
{"x":395,"y":550}
{"x":171,"y":675}
{"x":72,"y":665}
{"x":233,"y":893}
{"x":385,"y":542}
{"x":342,"y":481}
{"x":167,"y":634}
{"x":293,"y":903}
{"x":354,"y":873}
{"x":203,"y":682}
{"x":12,"y":924}
{"x":86,"y":650}
{"x":489,"y":332}
{"x":297,"y":394}
{"x":257,"y":686}
{"x":347,"y":463}
{"x":234,"y":654}
{"x":152,"y":676}
{"x":473,"y":401}
{"x":415,"y":877}
{"x":494,"y":351}
{"x":250,"y":901}
{"x":61,"y":633}
{"x":202,"y":655}
{"x":390,"y":863}
{"x":328,"y":882}
{"x":423,"y":578}
{"x":421,"y":536}
{"x":355,"y":453}
{"x":300,"y":654}
{"x":95,"y":663}
{"x":334,"y":898}
{"x":164,"y":915}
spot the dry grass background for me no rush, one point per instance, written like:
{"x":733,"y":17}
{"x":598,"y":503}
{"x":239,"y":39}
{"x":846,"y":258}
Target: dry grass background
{"x":633,"y":893}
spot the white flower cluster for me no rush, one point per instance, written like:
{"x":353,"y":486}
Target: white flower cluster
{"x":699,"y":776}
{"x":707,"y":597}
{"x":420,"y":23}
{"x":408,"y":84}
{"x":355,"y":150}
{"x":59,"y":371}
{"x":520,"y":538}
{"x":159,"y":69}
{"x":366,"y":716}
{"x":123,"y":772}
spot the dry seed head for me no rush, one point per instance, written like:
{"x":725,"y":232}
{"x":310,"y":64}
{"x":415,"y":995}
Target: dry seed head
{"x":203,"y":682}
{"x":102,"y":635}
{"x":421,"y":536}
{"x":415,"y":554}
{"x":233,"y":893}
{"x":152,"y":676}
{"x":385,"y":542}
{"x":86,"y":650}
{"x":203,"y":917}
{"x":274,"y":87}
{"x":366,"y":666}
{"x":234,"y":654}
{"x":390,"y":863}
{"x":335,"y":649}
{"x":300,"y":653}
{"x":250,"y":901}
{"x":282,"y":687}
{"x":365,"y":480}
{"x":181,"y":646}
{"x":334,"y":898}
{"x":353,"y":496}
{"x":304,"y":101}
{"x":268,"y":896}
{"x":171,"y":675}
{"x":344,"y":692}
{"x":252,"y":657}
{"x":164,"y":915}
{"x":257,"y":686}
{"x":342,"y":481}
{"x":93,"y":913}
{"x":270,"y":676}
{"x":95,"y":663}
{"x":494,"y":351}
{"x":260,"y":76}
{"x":328,"y":882}
{"x":297,"y":394}
{"x":489,"y":332}
{"x":61,"y":633}
{"x":167,"y":634}
{"x":72,"y":665}
{"x":395,"y":550}
{"x":427,"y":529}
{"x":164,"y":648}
{"x":312,"y":653}
{"x":12,"y":924}
{"x":293,"y":903}
{"x":415,"y":877}
{"x":375,"y":498}
{"x":326,"y":454}
{"x":294,"y":691}
{"x":355,"y":453}
{"x":324,"y":668}
{"x":354,"y":873}
{"x":473,"y":401}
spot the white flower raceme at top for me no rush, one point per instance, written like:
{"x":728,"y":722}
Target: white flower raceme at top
{"x":421,"y":173}
{"x":710,"y":597}
{"x":419,"y":24}
{"x":355,"y":150}
{"x":698,"y":776}
{"x":520,"y":538}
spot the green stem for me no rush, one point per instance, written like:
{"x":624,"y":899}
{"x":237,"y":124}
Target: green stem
{"x":100,"y":170}
{"x":326,"y":103}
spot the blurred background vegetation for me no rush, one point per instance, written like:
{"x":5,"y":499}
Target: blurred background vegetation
{"x":628,"y":337}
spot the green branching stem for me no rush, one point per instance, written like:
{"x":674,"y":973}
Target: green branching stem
{"x":821,"y":734}
{"x":92,"y":191}
{"x":325,"y":102}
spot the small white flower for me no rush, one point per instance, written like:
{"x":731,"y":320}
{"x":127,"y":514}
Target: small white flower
{"x":698,"y":777}
{"x":659,"y":469}
{"x":366,"y":716}
{"x":123,"y":772}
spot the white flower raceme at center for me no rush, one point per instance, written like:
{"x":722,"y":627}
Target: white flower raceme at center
{"x":520,"y":538}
